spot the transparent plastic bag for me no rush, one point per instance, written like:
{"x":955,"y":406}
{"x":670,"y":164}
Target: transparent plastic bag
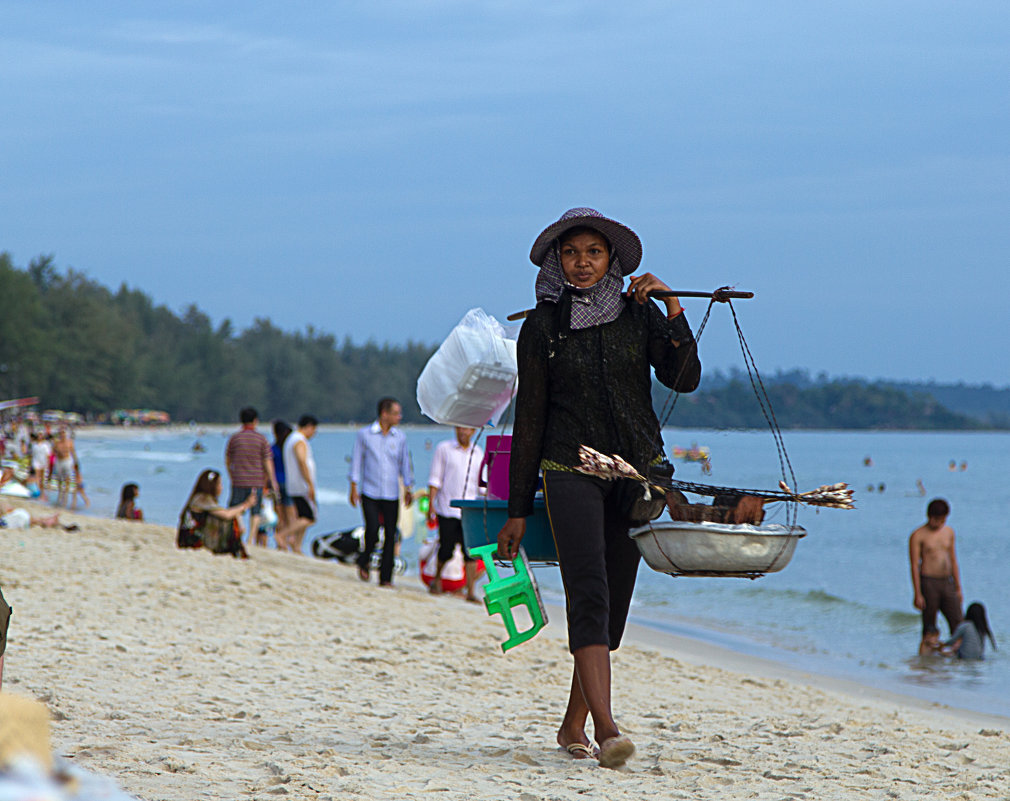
{"x":472,"y":377}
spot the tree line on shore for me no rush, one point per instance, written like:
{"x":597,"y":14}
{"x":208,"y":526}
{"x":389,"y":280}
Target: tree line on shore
{"x":82,"y":347}
{"x":833,"y":404}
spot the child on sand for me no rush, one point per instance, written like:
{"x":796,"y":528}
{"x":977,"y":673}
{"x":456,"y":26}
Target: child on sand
{"x":79,"y":488}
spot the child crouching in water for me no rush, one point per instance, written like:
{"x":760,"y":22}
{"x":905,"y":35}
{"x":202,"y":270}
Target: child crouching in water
{"x":967,"y":641}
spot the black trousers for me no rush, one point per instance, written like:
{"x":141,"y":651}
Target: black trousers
{"x":372,"y":509}
{"x":940,"y":597}
{"x":450,"y":534}
{"x":599,"y":561}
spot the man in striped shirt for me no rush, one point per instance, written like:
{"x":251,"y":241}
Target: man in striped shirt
{"x":250,"y":467}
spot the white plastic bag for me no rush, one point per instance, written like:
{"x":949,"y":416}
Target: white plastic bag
{"x":471,"y":378}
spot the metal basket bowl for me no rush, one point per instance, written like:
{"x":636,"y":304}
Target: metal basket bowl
{"x":716,"y":549}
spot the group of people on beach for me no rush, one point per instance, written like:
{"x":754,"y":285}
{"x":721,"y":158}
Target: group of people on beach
{"x":586,"y":357}
{"x":381,"y":471}
{"x":936,"y":585}
{"x":51,"y":461}
{"x":256,"y":472}
{"x":285,"y":472}
{"x":381,"y":463}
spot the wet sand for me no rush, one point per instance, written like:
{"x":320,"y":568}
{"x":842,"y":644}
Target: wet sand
{"x":184,"y":675}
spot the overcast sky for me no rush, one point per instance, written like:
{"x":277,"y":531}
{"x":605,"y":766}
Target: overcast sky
{"x":374,"y":169}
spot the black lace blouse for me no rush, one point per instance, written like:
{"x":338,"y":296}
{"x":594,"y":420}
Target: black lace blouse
{"x":593,"y":386}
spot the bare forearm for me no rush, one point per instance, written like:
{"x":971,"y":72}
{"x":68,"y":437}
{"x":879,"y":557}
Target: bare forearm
{"x":916,"y":579}
{"x":303,"y":468}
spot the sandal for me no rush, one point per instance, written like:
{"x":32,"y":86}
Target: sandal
{"x":582,"y":751}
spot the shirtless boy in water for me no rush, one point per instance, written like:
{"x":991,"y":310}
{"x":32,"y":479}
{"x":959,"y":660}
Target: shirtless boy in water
{"x":936,"y":578}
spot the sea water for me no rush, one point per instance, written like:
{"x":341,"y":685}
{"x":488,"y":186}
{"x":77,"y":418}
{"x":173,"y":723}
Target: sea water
{"x":842,"y":607}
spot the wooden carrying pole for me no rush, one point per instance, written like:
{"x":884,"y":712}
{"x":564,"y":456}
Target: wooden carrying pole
{"x":719,"y":295}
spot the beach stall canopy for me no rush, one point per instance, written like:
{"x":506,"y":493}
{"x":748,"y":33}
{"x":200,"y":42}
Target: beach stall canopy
{"x":140,"y":417}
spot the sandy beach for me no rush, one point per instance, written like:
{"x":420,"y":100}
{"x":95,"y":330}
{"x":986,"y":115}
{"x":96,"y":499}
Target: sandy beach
{"x":183,"y":675}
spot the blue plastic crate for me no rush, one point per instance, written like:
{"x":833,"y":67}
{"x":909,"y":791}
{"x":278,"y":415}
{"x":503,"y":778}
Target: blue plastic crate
{"x":483,"y":519}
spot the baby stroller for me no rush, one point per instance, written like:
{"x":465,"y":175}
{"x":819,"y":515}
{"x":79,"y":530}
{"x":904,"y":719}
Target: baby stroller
{"x":344,"y":547}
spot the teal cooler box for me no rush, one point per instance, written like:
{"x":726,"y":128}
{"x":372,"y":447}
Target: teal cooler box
{"x":483,"y":519}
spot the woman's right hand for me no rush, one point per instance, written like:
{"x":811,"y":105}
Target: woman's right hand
{"x":510,"y":536}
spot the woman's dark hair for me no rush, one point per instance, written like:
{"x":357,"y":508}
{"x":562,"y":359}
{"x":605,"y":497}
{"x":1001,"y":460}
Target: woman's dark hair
{"x":128,"y":493}
{"x":975,"y":614}
{"x":281,"y":431}
{"x":206,"y":484}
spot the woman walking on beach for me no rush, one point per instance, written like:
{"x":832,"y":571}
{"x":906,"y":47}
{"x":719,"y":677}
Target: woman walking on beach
{"x":586,"y":355}
{"x":285,"y":507}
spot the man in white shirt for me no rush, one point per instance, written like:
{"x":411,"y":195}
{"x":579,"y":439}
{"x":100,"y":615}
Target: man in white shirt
{"x":455,"y":470}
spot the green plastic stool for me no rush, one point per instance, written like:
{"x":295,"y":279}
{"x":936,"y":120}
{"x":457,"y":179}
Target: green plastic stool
{"x":501,"y":593}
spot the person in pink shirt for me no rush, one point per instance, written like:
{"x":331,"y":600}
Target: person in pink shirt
{"x":455,"y":471}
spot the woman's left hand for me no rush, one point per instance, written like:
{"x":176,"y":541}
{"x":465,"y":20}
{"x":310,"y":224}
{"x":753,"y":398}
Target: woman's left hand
{"x":640,"y":286}
{"x":510,"y":536}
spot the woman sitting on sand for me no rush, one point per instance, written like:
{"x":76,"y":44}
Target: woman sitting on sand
{"x":128,"y":509}
{"x":586,"y":355}
{"x":218,"y":529}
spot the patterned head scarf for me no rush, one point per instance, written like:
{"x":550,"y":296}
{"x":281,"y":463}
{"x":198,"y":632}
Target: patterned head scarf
{"x":595,"y":305}
{"x":602,"y":302}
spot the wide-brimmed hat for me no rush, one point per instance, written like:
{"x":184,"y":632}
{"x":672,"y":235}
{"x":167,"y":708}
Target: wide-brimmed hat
{"x":623,"y":240}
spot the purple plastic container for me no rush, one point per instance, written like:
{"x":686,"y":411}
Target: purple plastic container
{"x":496,"y":460}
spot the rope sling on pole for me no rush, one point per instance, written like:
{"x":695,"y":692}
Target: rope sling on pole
{"x":834,"y":495}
